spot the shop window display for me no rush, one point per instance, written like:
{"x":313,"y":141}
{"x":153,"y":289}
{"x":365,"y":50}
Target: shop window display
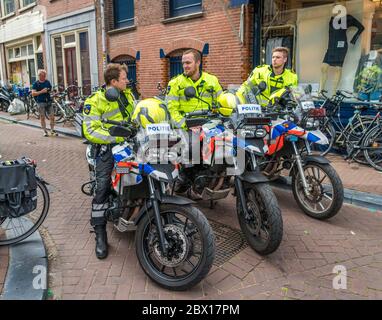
{"x":348,"y":57}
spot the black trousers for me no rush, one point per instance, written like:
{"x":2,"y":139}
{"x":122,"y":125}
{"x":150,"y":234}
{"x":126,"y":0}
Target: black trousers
{"x":103,"y":168}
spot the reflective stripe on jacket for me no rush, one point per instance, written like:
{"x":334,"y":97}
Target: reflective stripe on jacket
{"x":274,"y":83}
{"x":96,"y":108}
{"x":207,"y":88}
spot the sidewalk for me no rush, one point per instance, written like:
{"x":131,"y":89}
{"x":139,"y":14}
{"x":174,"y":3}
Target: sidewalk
{"x":62,"y":128}
{"x":357,"y":176}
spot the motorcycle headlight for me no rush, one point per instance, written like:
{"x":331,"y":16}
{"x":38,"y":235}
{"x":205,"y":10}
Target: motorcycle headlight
{"x":312,"y":124}
{"x":254,"y":132}
{"x":248,"y":133}
{"x":260,"y":133}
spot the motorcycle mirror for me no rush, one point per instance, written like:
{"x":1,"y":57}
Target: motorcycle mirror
{"x":112,"y":94}
{"x":262,"y":86}
{"x":190,"y":92}
{"x":118,"y":131}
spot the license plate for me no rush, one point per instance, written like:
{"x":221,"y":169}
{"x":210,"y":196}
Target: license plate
{"x":249,"y":109}
{"x":306,"y":105}
{"x":158,"y":128}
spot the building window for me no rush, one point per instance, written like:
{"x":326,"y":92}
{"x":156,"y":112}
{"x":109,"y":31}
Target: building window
{"x":184,"y":7}
{"x":22,"y":63}
{"x":60,"y":80}
{"x":123,"y":13}
{"x":40,"y":60}
{"x":85,"y":63}
{"x":176,"y":67}
{"x":131,"y":64}
{"x":25,"y":3}
{"x":71,"y":58}
{"x":8,"y":7}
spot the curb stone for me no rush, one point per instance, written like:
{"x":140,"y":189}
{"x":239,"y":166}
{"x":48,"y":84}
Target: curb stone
{"x":27,"y":275}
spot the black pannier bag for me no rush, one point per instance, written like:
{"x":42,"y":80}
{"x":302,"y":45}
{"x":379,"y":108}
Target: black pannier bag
{"x":18,"y":188}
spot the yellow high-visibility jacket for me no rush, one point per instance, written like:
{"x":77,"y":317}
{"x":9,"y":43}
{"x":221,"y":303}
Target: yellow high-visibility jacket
{"x":96,"y":108}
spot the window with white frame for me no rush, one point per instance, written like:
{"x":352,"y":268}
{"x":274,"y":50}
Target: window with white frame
{"x":7,"y":7}
{"x":21,"y":52}
{"x":71,"y":58}
{"x":26,"y":3}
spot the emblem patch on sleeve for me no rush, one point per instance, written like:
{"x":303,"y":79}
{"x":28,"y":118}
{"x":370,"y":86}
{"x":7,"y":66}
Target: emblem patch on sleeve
{"x":87,"y":108}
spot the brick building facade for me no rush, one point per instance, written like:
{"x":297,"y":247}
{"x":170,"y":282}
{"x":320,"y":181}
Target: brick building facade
{"x":222,"y":32}
{"x":21,"y":34}
{"x":71,"y":42}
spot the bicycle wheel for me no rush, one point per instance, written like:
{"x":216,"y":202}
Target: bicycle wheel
{"x":354,"y":133}
{"x":13,"y":230}
{"x":59,"y":114}
{"x":34,"y":110}
{"x":372,"y":147}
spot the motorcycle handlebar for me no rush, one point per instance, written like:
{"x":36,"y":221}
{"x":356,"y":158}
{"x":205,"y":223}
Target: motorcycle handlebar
{"x":197,"y":113}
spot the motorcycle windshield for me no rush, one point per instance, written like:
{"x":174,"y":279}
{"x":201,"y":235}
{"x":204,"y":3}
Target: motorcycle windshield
{"x":303,"y":96}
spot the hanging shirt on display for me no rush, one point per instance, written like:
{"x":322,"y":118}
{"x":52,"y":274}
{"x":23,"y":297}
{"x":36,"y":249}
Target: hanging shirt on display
{"x":338,"y":41}
{"x":271,"y":44}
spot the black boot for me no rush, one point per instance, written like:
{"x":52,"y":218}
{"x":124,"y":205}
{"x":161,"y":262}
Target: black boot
{"x":101,"y":248}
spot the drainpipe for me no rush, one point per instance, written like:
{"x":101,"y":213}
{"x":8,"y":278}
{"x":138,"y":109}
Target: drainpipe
{"x":257,"y":32}
{"x":1,"y":65}
{"x":104,"y":53}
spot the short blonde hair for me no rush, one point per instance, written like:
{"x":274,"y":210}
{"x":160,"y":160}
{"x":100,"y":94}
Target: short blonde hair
{"x":39,"y":71}
{"x":283,"y":50}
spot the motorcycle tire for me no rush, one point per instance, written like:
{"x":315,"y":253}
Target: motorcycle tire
{"x":261,"y":201}
{"x":143,"y":235}
{"x":5,"y":105}
{"x":337,"y":194}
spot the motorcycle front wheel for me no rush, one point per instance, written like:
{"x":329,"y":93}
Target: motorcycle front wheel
{"x":326,"y":192}
{"x":191,"y":247}
{"x":263,"y":227}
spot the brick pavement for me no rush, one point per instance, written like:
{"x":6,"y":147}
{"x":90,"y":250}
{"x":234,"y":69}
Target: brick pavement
{"x":302,"y":268}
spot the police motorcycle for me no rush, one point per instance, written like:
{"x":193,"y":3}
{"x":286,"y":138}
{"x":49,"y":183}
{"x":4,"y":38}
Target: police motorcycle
{"x":316,"y":186}
{"x":174,"y":242}
{"x":232,"y":138}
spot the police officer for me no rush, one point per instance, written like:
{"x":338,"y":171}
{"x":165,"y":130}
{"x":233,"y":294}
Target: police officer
{"x":207,"y":88}
{"x":275,"y":76}
{"x":96,"y":108}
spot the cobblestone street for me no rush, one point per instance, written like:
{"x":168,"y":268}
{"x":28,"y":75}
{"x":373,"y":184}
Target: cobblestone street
{"x":302,"y":267}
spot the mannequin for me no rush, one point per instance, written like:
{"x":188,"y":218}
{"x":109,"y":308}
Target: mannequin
{"x":338,"y":44}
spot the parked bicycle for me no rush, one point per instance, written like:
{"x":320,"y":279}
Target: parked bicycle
{"x":337,"y":133}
